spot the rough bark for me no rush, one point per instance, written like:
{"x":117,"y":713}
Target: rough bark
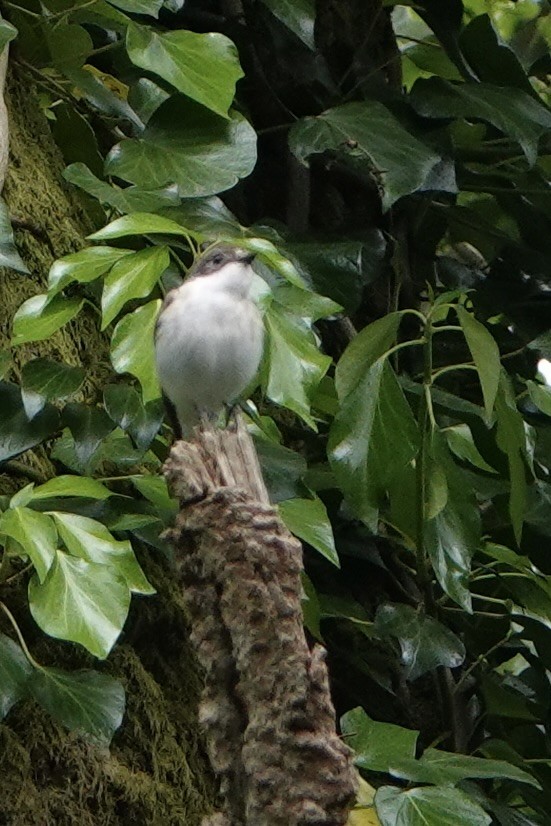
{"x":266,"y":706}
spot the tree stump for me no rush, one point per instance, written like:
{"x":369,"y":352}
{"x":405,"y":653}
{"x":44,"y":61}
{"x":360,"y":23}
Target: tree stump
{"x":266,"y":707}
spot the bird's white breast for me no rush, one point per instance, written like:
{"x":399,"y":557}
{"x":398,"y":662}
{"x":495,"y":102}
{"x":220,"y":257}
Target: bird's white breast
{"x":208,"y":346}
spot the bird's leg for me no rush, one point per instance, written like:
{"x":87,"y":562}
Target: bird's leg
{"x":231,"y":411}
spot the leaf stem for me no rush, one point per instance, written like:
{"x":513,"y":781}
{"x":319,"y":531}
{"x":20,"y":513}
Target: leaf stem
{"x":451,"y":367}
{"x":426,"y":422}
{"x":17,"y":630}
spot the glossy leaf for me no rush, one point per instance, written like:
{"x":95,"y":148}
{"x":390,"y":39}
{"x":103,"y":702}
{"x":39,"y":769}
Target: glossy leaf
{"x":374,"y":435}
{"x":89,"y":539}
{"x":485,"y":353}
{"x":50,"y":379}
{"x":428,"y":806}
{"x":511,"y":110}
{"x":180,"y":58}
{"x":35,"y":532}
{"x":96,"y":89}
{"x":124,"y":200}
{"x":122,"y":404}
{"x":81,"y":601}
{"x":295,"y":364}
{"x":298,"y":15}
{"x":71,"y":486}
{"x":308,"y":519}
{"x":444,"y":767}
{"x":132,"y":277}
{"x":9,"y":256}
{"x":15,"y":670}
{"x":132,"y":348}
{"x":282,"y":469}
{"x":39,"y":318}
{"x":453,"y":534}
{"x":424,"y":642}
{"x":139,"y":223}
{"x":540,"y":394}
{"x":17,"y":433}
{"x":185,"y":144}
{"x":89,"y":426}
{"x":149,"y":7}
{"x":377,"y":745}
{"x":370,"y":138}
{"x":511,"y":439}
{"x":83,"y":701}
{"x":83,"y":266}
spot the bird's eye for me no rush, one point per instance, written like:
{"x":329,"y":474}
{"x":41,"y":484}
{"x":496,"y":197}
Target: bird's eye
{"x":217,"y":260}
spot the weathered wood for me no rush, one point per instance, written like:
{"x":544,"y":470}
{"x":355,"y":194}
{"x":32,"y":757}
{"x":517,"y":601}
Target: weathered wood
{"x":266,"y":707}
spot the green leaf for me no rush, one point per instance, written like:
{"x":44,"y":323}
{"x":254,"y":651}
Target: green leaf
{"x":374,"y":436}
{"x":308,"y":519}
{"x":146,"y":425}
{"x":50,"y":380}
{"x":83,"y":701}
{"x":377,"y":745}
{"x":124,"y":200}
{"x":7,"y":33}
{"x":295,"y":364}
{"x":5,"y":363}
{"x":425,"y":643}
{"x":17,"y":433}
{"x":155,"y":490}
{"x":511,"y":110}
{"x":90,"y":540}
{"x":310,"y":608}
{"x":461,"y":443}
{"x":186,"y":144}
{"x":428,"y":806}
{"x":15,"y":670}
{"x":453,"y":534}
{"x":540,"y":394}
{"x":39,"y":317}
{"x":139,"y":223}
{"x":485,"y":353}
{"x":132,"y":348}
{"x":444,"y":767}
{"x":298,"y":15}
{"x":149,"y":7}
{"x":89,"y":427}
{"x":81,"y":601}
{"x":9,"y":256}
{"x":71,"y":486}
{"x":35,"y":532}
{"x":83,"y":266}
{"x":180,"y":57}
{"x":371,"y":139}
{"x":69,"y":45}
{"x":122,"y":404}
{"x":511,"y":439}
{"x":282,"y":469}
{"x":132,"y":277}
{"x":96,"y":90}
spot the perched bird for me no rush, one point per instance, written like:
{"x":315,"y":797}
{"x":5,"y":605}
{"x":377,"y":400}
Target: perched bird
{"x":209,"y":337}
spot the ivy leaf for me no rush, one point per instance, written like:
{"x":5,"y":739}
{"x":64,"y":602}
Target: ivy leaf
{"x":295,"y":364}
{"x":425,"y":643}
{"x":485,"y":353}
{"x":377,"y":745}
{"x":83,"y":701}
{"x":452,"y":534}
{"x":132,"y":348}
{"x":374,"y":436}
{"x":149,"y":7}
{"x":71,"y":486}
{"x":540,"y":394}
{"x":132,"y":277}
{"x":42,"y":380}
{"x":444,"y":767}
{"x":15,"y":670}
{"x":9,"y":256}
{"x":428,"y":806}
{"x":122,"y":404}
{"x":298,"y":15}
{"x":83,"y":266}
{"x":368,"y":137}
{"x":511,"y":439}
{"x":139,"y":223}
{"x":81,"y":601}
{"x":180,"y":57}
{"x":308,"y":519}
{"x":35,"y":532}
{"x":127,"y":199}
{"x":89,"y":539}
{"x":39,"y":317}
{"x":95,"y":88}
{"x":17,"y":433}
{"x":512,"y":111}
{"x":89,"y":427}
{"x":186,"y":144}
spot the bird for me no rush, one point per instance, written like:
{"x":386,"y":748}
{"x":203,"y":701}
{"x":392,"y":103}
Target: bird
{"x":209,"y":337}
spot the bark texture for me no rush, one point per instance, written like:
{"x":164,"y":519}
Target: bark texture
{"x":266,"y":706}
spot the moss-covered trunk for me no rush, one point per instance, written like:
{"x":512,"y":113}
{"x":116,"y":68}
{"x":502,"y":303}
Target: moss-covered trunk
{"x":155,"y":773}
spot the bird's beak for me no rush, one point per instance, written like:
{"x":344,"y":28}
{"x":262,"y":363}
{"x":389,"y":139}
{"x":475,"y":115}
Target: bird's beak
{"x":248,"y":257}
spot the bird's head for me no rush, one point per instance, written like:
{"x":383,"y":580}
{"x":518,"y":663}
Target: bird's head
{"x":226,"y":268}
